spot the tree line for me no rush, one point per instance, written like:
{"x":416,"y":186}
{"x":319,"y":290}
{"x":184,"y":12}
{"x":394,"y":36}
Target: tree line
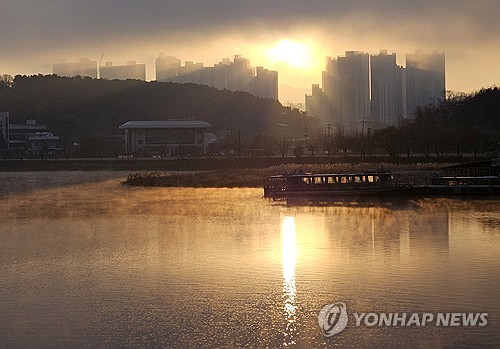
{"x":461,"y":124}
{"x":88,"y":111}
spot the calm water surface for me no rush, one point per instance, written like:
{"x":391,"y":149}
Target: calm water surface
{"x":86,"y":262}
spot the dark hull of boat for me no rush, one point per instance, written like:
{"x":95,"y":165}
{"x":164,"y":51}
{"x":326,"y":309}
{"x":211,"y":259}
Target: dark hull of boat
{"x":376,"y":192}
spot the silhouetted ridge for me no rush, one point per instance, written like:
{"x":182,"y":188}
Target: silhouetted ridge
{"x":78,"y":107}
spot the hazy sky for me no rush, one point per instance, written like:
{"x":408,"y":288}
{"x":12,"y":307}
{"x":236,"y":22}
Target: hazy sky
{"x":34,"y":34}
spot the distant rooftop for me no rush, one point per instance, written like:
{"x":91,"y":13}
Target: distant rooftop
{"x":166,"y":124}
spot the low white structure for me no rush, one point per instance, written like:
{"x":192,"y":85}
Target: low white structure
{"x":20,"y":134}
{"x":43,"y":143}
{"x":167,"y":137}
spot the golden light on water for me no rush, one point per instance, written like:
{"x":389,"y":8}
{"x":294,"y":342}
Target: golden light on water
{"x":289,"y":259}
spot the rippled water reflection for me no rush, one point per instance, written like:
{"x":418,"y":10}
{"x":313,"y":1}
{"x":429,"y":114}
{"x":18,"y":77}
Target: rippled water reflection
{"x":85,"y":261}
{"x":289,"y":253}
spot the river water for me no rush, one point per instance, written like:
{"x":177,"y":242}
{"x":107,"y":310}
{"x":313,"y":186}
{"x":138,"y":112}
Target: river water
{"x":87,"y":262}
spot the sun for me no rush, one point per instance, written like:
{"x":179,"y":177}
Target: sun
{"x":291,"y":53}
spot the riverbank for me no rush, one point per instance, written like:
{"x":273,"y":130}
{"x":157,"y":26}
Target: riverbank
{"x":206,"y":164}
{"x":255,"y":177}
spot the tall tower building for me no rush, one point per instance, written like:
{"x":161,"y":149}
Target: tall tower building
{"x":316,"y":103}
{"x":84,"y":67}
{"x":237,"y":75}
{"x":265,"y":83}
{"x":240,"y":74}
{"x":167,"y":68}
{"x":347,"y":89}
{"x":425,"y":80}
{"x":123,"y":72}
{"x":386,"y":90}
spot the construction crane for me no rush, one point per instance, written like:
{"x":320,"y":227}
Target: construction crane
{"x":99,"y":68}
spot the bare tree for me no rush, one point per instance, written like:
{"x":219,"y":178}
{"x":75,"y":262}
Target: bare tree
{"x":312,"y":146}
{"x":298,"y":148}
{"x":283,"y":146}
{"x":390,"y":140}
{"x":342,"y":141}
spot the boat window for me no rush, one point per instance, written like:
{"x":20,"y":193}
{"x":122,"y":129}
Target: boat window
{"x":376,"y":179}
{"x":343,"y":179}
{"x":369,"y":179}
{"x":358,"y":179}
{"x":305,"y":180}
{"x":318,"y":180}
{"x":331,"y":180}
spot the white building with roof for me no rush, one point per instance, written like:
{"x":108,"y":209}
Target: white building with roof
{"x":19,"y":134}
{"x":42,"y":143}
{"x":166,"y":137}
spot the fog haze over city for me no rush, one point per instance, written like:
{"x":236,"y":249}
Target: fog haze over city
{"x":35,"y":35}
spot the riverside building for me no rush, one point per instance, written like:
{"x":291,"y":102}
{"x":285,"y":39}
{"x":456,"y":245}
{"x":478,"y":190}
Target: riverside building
{"x":166,"y":137}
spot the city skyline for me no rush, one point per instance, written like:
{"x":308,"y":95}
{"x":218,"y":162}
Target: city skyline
{"x":357,"y":90}
{"x":236,"y":75}
{"x":239,"y":75}
{"x":34,"y":35}
{"x":360,"y":90}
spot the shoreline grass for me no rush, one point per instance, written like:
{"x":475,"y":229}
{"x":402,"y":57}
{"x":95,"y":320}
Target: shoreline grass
{"x":255,"y":177}
{"x":206,"y":164}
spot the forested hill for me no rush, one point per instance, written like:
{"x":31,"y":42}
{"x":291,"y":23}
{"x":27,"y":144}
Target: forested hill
{"x":84,"y":107}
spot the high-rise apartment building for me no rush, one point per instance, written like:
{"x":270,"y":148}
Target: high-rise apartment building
{"x":425,"y":80}
{"x":346,"y":85}
{"x":123,"y":72}
{"x":167,"y":68}
{"x":191,"y":73}
{"x":237,"y":75}
{"x":265,"y":83}
{"x":84,"y":67}
{"x":354,"y":80}
{"x":386,"y":90}
{"x":316,"y":104}
{"x":240,"y":74}
{"x":355,"y":97}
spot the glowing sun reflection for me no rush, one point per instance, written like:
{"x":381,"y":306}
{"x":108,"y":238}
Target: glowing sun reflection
{"x":289,"y":258}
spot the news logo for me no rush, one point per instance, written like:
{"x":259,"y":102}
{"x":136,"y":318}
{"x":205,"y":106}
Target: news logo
{"x":333,"y":319}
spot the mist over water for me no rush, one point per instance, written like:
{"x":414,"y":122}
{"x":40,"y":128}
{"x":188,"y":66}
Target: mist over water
{"x":85,"y":261}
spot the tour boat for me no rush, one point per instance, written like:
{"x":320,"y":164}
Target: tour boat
{"x":378,"y":184}
{"x":331,"y":185}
